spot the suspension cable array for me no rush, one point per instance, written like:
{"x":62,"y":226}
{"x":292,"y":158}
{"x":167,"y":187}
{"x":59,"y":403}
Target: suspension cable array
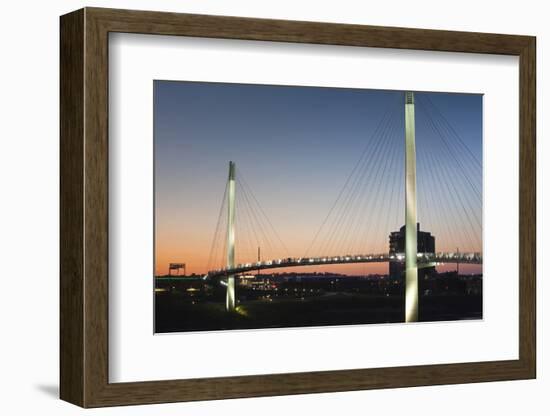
{"x":370,"y":203}
{"x":254,"y":229}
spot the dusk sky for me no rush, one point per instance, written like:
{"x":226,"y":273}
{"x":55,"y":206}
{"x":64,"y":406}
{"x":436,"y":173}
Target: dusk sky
{"x":295,"y":147}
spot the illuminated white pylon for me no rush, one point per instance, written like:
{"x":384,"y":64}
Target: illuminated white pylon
{"x":230,"y":293}
{"x":411,"y":267}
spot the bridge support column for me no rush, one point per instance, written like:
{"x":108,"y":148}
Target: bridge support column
{"x":230,"y":293}
{"x":411,"y":245}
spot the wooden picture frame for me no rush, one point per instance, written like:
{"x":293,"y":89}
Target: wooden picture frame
{"x":84,"y":207}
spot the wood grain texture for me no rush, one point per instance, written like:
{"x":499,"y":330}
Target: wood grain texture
{"x":71,"y":208}
{"x":96,"y":219}
{"x":84,"y":207}
{"x":527,"y":208}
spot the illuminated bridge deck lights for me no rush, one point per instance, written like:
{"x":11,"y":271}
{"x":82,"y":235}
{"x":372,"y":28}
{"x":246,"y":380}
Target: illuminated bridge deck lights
{"x":424,"y":260}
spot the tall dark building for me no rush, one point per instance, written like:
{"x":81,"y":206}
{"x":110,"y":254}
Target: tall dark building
{"x":425,"y":244}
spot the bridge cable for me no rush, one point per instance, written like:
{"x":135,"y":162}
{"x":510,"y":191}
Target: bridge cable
{"x":378,"y":145}
{"x":263,"y":212}
{"x":453,"y":179}
{"x":346,"y":183}
{"x":453,"y":130}
{"x":376,"y":170}
{"x":446,"y":182}
{"x":215,"y":239}
{"x":441,"y":134}
{"x":258,"y":226}
{"x":374,"y":202}
{"x":345,"y":221}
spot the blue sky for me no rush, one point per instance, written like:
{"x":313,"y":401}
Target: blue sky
{"x":296,"y":146}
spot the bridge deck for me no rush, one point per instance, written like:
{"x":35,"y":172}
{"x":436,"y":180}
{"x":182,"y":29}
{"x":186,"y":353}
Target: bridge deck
{"x":424,"y":260}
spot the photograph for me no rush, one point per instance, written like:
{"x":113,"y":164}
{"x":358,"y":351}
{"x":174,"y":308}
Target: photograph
{"x":279,"y":206}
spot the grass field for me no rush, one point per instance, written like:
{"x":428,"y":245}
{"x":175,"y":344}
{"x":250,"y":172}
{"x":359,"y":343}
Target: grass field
{"x":173,"y":314}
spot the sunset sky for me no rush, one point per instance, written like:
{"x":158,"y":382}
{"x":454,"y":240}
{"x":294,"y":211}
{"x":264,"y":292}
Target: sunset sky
{"x":295,"y":147}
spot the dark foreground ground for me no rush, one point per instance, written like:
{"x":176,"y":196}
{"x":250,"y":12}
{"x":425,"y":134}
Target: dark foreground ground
{"x":175,"y":314}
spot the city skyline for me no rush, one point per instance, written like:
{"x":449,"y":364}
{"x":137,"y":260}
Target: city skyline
{"x":296,"y":146}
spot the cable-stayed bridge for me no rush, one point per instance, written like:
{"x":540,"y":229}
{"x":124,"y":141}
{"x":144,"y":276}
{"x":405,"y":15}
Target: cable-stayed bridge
{"x":395,"y":181}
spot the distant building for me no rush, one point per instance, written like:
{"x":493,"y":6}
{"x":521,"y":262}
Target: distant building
{"x":425,"y":244}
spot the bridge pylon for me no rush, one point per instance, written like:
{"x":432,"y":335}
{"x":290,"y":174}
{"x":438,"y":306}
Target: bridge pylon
{"x":230,"y":292}
{"x":411,"y":243}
